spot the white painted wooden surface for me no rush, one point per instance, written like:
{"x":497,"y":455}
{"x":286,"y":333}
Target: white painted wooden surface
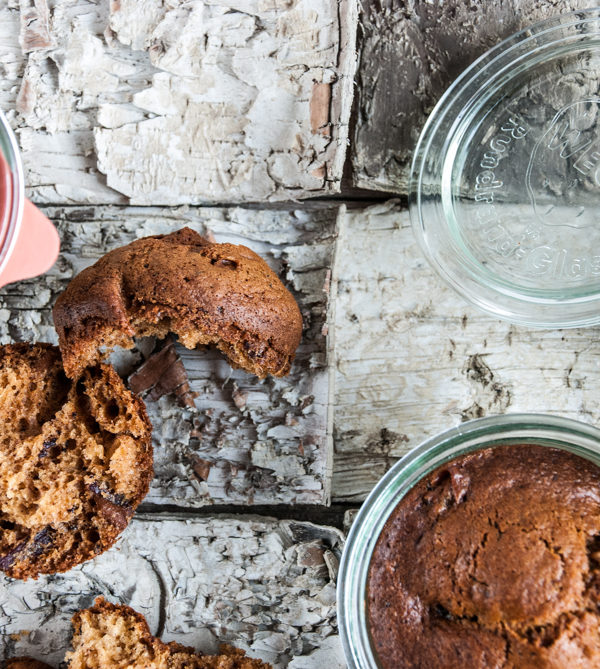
{"x":164,"y":102}
{"x":195,"y":102}
{"x":267,"y":586}
{"x":411,"y":52}
{"x":413,"y":358}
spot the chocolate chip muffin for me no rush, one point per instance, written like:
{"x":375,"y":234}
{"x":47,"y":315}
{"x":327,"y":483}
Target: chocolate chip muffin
{"x":75,"y":461}
{"x":492,"y":561}
{"x":206,"y":293}
{"x":110,"y":636}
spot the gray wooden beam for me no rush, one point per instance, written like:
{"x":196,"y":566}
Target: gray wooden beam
{"x":410,"y":53}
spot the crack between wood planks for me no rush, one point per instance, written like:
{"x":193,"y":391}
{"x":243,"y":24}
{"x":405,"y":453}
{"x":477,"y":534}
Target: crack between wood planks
{"x":319,"y":515}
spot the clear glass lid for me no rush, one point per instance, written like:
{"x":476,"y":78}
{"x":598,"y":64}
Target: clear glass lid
{"x":505,"y":185}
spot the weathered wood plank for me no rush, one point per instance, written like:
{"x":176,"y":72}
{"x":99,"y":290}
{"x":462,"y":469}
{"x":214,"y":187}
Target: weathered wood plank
{"x":248,"y":441}
{"x":410,"y":54}
{"x":413,"y":358}
{"x":12,"y":61}
{"x":264,"y":585}
{"x":195,"y":102}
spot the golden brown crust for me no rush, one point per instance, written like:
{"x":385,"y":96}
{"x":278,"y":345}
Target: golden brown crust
{"x":75,"y":461}
{"x":114,"y":636}
{"x":24,"y":663}
{"x":206,"y":293}
{"x":181,"y":657}
{"x":492,"y":560}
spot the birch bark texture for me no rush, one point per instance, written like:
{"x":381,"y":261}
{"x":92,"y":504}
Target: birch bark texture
{"x":412,"y":358}
{"x":207,"y":101}
{"x":264,"y":585}
{"x":410,"y":53}
{"x":245,"y":441}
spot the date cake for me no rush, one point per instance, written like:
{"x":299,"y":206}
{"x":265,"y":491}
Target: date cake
{"x":75,"y":461}
{"x":206,"y":293}
{"x":491,"y":561}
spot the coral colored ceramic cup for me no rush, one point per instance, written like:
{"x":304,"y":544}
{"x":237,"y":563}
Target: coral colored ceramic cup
{"x":29,"y":242}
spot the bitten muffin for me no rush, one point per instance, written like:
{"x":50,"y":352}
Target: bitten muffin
{"x":492,"y":561}
{"x":24,"y":663}
{"x":206,"y":293}
{"x":75,"y":461}
{"x":111,"y":636}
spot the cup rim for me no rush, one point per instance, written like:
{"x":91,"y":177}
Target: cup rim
{"x":15,"y":166}
{"x":543,"y":429}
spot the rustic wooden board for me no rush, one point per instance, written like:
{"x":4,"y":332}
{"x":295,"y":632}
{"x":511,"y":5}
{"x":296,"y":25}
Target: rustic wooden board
{"x":266,"y":586}
{"x":413,"y":358}
{"x":12,"y":61}
{"x":195,"y":102}
{"x":410,"y":54}
{"x":248,"y":441}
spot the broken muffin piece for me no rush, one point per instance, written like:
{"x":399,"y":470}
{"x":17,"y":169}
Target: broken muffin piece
{"x":114,"y":636}
{"x":75,"y":461}
{"x":206,"y":293}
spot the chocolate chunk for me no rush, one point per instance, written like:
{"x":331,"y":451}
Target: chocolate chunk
{"x":109,"y":495}
{"x":114,"y":514}
{"x":163,"y":373}
{"x":42,"y":540}
{"x":224,"y":262}
{"x":112,"y":507}
{"x":7,"y":560}
{"x":202,"y":468}
{"x":46,"y":446}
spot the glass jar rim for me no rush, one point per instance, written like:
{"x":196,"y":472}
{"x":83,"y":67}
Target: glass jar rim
{"x":9,"y":152}
{"x":551,"y":431}
{"x":495,"y":293}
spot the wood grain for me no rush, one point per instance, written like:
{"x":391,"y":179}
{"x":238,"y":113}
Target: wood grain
{"x":410,"y":54}
{"x":151,"y":103}
{"x":266,"y":586}
{"x":413,"y":358}
{"x":246,"y":441}
{"x":12,"y":60}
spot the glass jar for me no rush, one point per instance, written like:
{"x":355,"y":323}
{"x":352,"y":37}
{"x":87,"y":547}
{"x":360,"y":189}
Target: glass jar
{"x":572,"y":436}
{"x":505,"y":184}
{"x":29,"y":243}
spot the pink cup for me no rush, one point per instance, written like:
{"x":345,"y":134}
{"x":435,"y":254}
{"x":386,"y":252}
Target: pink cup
{"x":29,"y":242}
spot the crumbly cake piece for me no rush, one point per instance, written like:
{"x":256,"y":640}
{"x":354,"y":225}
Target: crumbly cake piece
{"x":114,"y":636}
{"x":207,"y":293}
{"x":493,"y":560}
{"x":75,"y":461}
{"x":24,"y":663}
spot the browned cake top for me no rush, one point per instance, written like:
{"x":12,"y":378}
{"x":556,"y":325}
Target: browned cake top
{"x":492,"y":561}
{"x":24,"y":663}
{"x":114,"y":636}
{"x":206,"y":293}
{"x":75,"y":461}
